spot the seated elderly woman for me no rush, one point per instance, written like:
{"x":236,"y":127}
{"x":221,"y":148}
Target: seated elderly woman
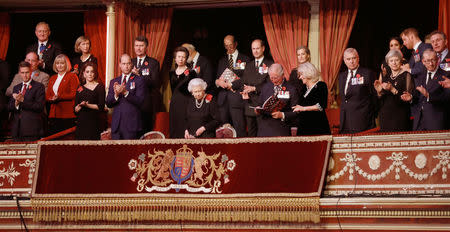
{"x":313,"y":102}
{"x":201,"y":112}
{"x":394,"y":112}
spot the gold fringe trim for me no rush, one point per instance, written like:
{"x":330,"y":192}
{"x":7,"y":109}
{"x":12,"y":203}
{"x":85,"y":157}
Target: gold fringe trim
{"x":176,"y":209}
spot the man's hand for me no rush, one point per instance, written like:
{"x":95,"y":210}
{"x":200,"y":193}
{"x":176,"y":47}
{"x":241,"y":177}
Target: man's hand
{"x":406,"y":67}
{"x":445,"y":83}
{"x":422,"y":90}
{"x":277,"y":115}
{"x":135,"y":70}
{"x":249,"y":89}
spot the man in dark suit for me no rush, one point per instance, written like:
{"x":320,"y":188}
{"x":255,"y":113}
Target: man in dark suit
{"x":201,"y":65}
{"x":254,"y":77}
{"x":231,"y":107}
{"x":429,"y":100}
{"x":148,"y":68}
{"x":46,"y":49}
{"x":126,"y":94}
{"x":36,"y":74}
{"x":358,"y":95}
{"x":411,"y":40}
{"x":440,"y":46}
{"x":279,"y":122}
{"x":27,"y":104}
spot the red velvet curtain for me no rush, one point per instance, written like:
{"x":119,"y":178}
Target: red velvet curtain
{"x":287,"y":25}
{"x":133,"y":20}
{"x":336,"y":21}
{"x":95,"y":29}
{"x":4,"y":34}
{"x":444,"y":16}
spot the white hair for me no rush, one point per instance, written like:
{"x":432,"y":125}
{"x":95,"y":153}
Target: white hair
{"x":309,"y":71}
{"x":197,"y":82}
{"x":276,"y":68}
{"x":393,"y":53}
{"x":351,"y":51}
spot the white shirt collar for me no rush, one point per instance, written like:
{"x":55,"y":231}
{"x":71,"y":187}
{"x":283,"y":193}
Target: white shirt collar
{"x":195,"y":59}
{"x":126,"y":75}
{"x":27,"y":83}
{"x":45,"y":43}
{"x":417,"y":45}
{"x":259,"y":60}
{"x":354,"y":70}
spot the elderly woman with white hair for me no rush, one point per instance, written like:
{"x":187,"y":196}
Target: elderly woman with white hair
{"x":201,"y":112}
{"x":394,"y":114}
{"x":313,"y":102}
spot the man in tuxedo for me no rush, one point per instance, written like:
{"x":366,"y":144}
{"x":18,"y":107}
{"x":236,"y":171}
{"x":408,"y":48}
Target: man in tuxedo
{"x":254,"y":77}
{"x":439,"y":43}
{"x":46,"y":49}
{"x":430,"y":100}
{"x":201,"y":65}
{"x":36,"y":74}
{"x":148,"y":68}
{"x":411,"y":40}
{"x":231,"y":107}
{"x":358,"y":95}
{"x":277,"y":123}
{"x":27,"y":105}
{"x":126,"y":94}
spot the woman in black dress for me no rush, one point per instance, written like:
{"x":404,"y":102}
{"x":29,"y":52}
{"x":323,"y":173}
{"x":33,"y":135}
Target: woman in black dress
{"x":201,"y":112}
{"x":313,"y":102}
{"x":83,"y":46}
{"x":303,"y":56}
{"x":89,"y":105}
{"x":394,"y":112}
{"x":179,"y":79}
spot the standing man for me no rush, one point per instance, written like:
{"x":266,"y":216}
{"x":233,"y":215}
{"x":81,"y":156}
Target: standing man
{"x":27,"y":104}
{"x":279,"y":122}
{"x":430,"y":100}
{"x":148,"y":68}
{"x":256,"y":74}
{"x":411,"y":40}
{"x":201,"y":65}
{"x":231,"y":106}
{"x":358,"y":95}
{"x":46,"y":49}
{"x":440,"y":46}
{"x":41,"y":77}
{"x":126,"y":94}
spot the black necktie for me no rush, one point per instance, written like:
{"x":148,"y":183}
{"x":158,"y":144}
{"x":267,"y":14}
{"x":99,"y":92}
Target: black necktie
{"x":124,"y":81}
{"x":257,"y":64}
{"x":139,"y":63}
{"x":429,"y":78}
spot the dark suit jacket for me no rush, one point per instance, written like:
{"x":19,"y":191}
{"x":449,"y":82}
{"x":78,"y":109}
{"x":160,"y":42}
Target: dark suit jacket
{"x":253,"y":76}
{"x":415,"y":62}
{"x":430,"y":114}
{"x":268,"y":126}
{"x":27,"y":120}
{"x":204,"y":70}
{"x":149,"y":71}
{"x":234,"y":99}
{"x":52,"y":50}
{"x":358,"y":106}
{"x":127,"y":114}
{"x":445,"y":64}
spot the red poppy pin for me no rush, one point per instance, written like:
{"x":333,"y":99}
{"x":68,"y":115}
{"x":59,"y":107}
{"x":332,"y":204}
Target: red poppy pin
{"x":208,"y":98}
{"x":357,"y":75}
{"x":80,"y":89}
{"x":145,"y":63}
{"x":131,"y":77}
{"x":75,"y":66}
{"x":186,"y":72}
{"x":239,"y":61}
{"x":49,"y":46}
{"x":283,"y":88}
{"x":264,"y":65}
{"x":417,"y":51}
{"x":447,"y":60}
{"x":29,"y":86}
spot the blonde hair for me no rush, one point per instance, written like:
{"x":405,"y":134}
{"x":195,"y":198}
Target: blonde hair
{"x":66,"y":60}
{"x":79,"y":41}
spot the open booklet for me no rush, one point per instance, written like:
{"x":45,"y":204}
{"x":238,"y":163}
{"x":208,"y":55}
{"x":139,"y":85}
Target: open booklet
{"x":272,"y":104}
{"x":229,"y":75}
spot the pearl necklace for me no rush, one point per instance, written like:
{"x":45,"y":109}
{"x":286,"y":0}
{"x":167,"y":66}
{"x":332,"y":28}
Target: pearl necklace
{"x":199,"y":105}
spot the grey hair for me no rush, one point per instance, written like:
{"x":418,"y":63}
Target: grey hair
{"x":197,"y":82}
{"x":309,"y":71}
{"x":189,"y":46}
{"x":393,"y":53}
{"x":429,"y":50}
{"x":276,"y":68}
{"x":350,"y":50}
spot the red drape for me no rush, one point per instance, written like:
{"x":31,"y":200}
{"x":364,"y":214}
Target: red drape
{"x":95,"y":29}
{"x":444,"y":16}
{"x":287,"y":25}
{"x":152,"y":22}
{"x":336,"y":21}
{"x":4,"y":34}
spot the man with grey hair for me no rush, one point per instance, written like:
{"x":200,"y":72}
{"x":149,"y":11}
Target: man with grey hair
{"x":440,"y":46}
{"x":200,"y":64}
{"x":358,"y":95}
{"x":278,"y":121}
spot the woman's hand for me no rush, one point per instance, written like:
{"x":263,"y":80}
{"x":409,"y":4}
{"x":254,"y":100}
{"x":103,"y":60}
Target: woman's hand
{"x":298,"y":108}
{"x":377,"y":86}
{"x":386,"y":86}
{"x":200,"y":131}
{"x":406,"y":96}
{"x":77,"y":108}
{"x":186,"y":134}
{"x":54,"y":98}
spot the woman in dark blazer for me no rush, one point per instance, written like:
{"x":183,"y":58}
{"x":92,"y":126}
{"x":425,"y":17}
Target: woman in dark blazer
{"x":313,"y":102}
{"x":60,"y":95}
